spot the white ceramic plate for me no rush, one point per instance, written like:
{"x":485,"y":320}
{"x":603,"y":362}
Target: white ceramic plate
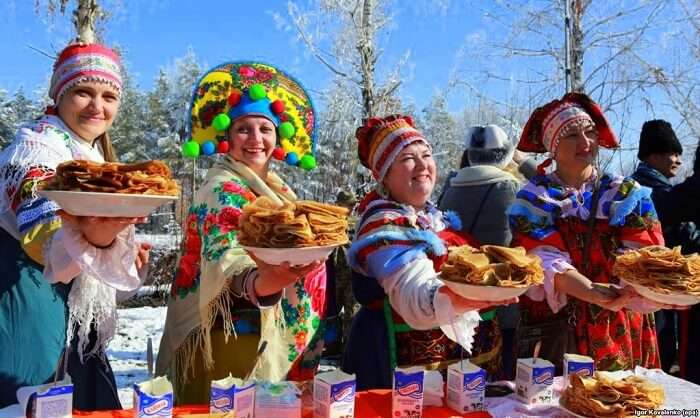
{"x":106,"y":204}
{"x":670,"y":299}
{"x":484,"y":293}
{"x":295,"y":256}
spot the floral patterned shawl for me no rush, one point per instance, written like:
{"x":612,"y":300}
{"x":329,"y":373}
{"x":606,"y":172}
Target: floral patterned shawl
{"x":201,"y":290}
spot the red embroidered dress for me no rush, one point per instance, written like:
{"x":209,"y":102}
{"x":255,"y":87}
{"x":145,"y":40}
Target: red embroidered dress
{"x":551,"y":221}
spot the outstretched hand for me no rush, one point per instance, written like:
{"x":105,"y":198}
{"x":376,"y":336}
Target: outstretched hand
{"x":638,"y":303}
{"x":99,"y":231}
{"x":461,"y":304}
{"x":273,"y":278}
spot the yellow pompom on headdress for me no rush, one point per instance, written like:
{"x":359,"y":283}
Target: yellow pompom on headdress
{"x":233,"y":90}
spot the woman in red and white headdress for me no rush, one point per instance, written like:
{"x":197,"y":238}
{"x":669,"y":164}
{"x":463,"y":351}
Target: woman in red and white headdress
{"x":61,"y":273}
{"x":576,"y":219}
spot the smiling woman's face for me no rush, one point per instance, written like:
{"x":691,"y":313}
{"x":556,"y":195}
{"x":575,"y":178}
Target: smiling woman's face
{"x":411,"y":178}
{"x":89,"y":109}
{"x":252,"y":141}
{"x":578,"y":148}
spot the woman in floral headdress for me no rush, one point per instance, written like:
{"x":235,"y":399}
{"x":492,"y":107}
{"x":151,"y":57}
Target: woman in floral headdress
{"x":60,"y":273}
{"x":223,"y":302}
{"x":576,"y":219}
{"x":408,"y":317}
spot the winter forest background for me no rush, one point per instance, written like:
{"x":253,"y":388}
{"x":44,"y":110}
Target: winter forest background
{"x":639,"y":59}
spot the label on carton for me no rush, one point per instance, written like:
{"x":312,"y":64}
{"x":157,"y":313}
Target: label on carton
{"x":466,"y":384}
{"x":153,"y":398}
{"x":533,"y":381}
{"x":334,"y":395}
{"x":407,"y":399}
{"x":577,"y":364}
{"x":54,"y":402}
{"x":244,"y":400}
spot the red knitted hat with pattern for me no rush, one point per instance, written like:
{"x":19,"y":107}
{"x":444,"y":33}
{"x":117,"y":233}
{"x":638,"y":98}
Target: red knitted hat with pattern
{"x":380,"y":141}
{"x":84,"y":62}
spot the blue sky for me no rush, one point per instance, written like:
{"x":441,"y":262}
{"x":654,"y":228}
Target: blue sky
{"x":154,"y":33}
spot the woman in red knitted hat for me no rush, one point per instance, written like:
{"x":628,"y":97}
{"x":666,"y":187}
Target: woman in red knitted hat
{"x":576,"y":219}
{"x":407,"y":316}
{"x":61,"y":274}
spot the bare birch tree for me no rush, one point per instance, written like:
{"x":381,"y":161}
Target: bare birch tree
{"x":86,"y":15}
{"x":343,"y":36}
{"x":623,"y":54}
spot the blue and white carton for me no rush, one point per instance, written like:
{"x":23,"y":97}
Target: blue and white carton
{"x":407,"y":398}
{"x":153,"y":398}
{"x":334,"y":395}
{"x":277,"y":400}
{"x":53,"y":400}
{"x":466,"y":384}
{"x":577,"y":364}
{"x":232,"y":394}
{"x":534,"y":379}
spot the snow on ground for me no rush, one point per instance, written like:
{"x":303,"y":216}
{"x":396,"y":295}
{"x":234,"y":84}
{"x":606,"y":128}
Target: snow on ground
{"x":127,"y":351}
{"x":170,"y":241}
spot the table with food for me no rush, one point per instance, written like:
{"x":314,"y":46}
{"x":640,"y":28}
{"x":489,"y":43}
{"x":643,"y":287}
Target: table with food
{"x":305,"y":231}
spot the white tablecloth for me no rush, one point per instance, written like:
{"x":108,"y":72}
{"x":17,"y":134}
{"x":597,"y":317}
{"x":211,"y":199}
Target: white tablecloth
{"x":681,"y":395}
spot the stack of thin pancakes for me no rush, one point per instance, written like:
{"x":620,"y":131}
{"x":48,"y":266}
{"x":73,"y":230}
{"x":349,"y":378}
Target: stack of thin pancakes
{"x":146,"y":178}
{"x":304,"y":223}
{"x":492,"y":265}
{"x":601,"y":396}
{"x":660,"y":269}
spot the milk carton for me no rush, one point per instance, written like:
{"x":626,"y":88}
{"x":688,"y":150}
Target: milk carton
{"x":407,"y":399}
{"x":533,"y":380}
{"x":232,"y":394}
{"x":277,"y":400}
{"x":334,"y":395}
{"x":153,"y":398}
{"x":466,"y":383}
{"x":47,"y":401}
{"x":577,"y":364}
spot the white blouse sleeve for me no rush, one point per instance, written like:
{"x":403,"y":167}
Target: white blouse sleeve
{"x":68,"y":254}
{"x":554,"y":262}
{"x":413,"y":293}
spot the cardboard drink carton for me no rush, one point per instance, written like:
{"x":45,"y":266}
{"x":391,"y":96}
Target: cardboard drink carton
{"x":153,"y":398}
{"x":534,"y":379}
{"x":407,"y":398}
{"x":466,"y":384}
{"x":577,"y":364}
{"x":334,"y":395}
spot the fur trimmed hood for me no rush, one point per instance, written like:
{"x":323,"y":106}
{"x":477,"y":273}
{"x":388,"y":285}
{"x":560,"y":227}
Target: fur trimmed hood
{"x":488,"y":145}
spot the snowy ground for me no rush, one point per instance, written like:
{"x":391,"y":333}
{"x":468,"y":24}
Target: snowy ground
{"x":170,"y":241}
{"x":127,"y":351}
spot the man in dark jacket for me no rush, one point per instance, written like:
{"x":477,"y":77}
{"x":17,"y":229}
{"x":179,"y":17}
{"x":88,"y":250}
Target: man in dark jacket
{"x":660,"y":158}
{"x":687,"y":220}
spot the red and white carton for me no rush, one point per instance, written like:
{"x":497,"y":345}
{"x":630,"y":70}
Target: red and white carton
{"x":466,"y":383}
{"x":407,"y":399}
{"x":577,"y":364}
{"x":534,"y":379}
{"x":334,"y":395}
